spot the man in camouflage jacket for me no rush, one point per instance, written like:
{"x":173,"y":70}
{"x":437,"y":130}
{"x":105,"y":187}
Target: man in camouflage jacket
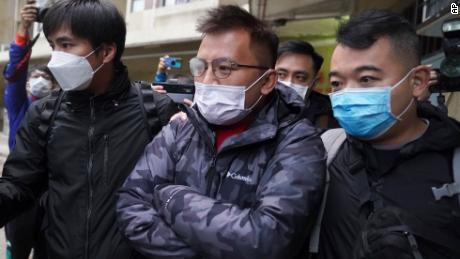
{"x":255,"y":195}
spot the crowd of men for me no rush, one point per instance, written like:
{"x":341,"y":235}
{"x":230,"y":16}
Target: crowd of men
{"x":259,"y":165}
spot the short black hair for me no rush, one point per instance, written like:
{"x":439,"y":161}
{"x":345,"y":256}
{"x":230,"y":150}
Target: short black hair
{"x":39,"y":67}
{"x":301,"y":47}
{"x":97,"y":21}
{"x":362,"y":31}
{"x":264,"y":41}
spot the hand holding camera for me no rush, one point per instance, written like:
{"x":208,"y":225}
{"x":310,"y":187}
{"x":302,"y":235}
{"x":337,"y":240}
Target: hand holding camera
{"x":29,"y":14}
{"x":167,"y":62}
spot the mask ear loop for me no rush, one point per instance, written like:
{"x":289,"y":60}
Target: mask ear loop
{"x":405,"y":110}
{"x":254,"y":105}
{"x":91,"y":53}
{"x":257,"y":80}
{"x":253,"y":84}
{"x":412,"y":99}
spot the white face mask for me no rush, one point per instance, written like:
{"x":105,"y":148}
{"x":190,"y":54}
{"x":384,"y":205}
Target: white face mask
{"x":40,"y":87}
{"x":223,"y":104}
{"x":72,"y":72}
{"x":300,"y":89}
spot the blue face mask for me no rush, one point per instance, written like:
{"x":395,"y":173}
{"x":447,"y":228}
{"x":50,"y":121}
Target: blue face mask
{"x":365,"y":113}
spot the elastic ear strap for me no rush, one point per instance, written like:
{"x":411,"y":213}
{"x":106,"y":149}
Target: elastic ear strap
{"x":405,"y":110}
{"x":257,"y":80}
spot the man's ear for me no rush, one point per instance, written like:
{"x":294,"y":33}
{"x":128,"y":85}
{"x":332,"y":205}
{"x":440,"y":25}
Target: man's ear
{"x":314,"y":82}
{"x":108,"y":52}
{"x":270,"y":82}
{"x":420,"y":82}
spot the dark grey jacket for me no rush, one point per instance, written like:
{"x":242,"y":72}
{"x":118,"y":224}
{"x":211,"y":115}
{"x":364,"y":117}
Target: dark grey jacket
{"x":254,"y":198}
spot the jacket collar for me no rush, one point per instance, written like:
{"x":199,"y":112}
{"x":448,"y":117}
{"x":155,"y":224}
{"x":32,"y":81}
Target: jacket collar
{"x":118,"y":89}
{"x":443,"y":133}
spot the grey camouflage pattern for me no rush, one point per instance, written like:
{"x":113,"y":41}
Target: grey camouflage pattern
{"x":255,"y":198}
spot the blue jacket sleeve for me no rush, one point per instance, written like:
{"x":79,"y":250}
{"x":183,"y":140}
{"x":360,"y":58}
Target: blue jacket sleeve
{"x":16,"y":101}
{"x":160,"y":77}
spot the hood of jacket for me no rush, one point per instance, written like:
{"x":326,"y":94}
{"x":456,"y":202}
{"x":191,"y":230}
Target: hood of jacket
{"x":443,"y":132}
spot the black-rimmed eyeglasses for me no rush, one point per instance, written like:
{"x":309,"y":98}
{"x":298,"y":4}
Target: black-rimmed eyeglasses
{"x":221,"y":67}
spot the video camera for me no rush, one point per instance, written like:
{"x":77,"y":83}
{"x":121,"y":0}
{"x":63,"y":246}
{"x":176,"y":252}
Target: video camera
{"x":449,"y":71}
{"x":41,"y":9}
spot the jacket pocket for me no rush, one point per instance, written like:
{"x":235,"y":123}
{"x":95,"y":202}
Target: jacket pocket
{"x":105,"y":166}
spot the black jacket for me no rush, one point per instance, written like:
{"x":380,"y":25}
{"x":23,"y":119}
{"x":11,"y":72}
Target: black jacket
{"x":363,"y":177}
{"x":93,"y":145}
{"x":318,"y":105}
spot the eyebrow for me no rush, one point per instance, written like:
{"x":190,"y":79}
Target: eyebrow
{"x":295,"y":72}
{"x":62,"y":39}
{"x":358,"y":70}
{"x":334,"y":73}
{"x":368,"y":68}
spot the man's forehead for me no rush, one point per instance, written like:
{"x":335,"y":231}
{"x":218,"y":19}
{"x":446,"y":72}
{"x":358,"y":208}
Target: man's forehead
{"x":233,"y":44}
{"x":378,"y":56}
{"x":62,"y":32}
{"x":290,"y":60}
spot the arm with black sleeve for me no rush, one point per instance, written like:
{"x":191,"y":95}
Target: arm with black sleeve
{"x":24,"y":176}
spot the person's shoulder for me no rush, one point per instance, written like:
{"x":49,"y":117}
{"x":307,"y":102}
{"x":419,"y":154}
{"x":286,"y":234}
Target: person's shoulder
{"x":320,"y":98}
{"x":302,"y":128}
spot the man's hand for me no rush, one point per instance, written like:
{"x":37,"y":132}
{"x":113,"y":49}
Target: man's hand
{"x":29,"y":14}
{"x":179,"y":116}
{"x":159,"y":88}
{"x":162,"y":66}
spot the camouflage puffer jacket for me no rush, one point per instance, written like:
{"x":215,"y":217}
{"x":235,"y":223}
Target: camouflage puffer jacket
{"x":256,"y":197}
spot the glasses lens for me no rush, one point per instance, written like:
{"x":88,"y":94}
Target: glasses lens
{"x":222,"y":68}
{"x":197,"y":66}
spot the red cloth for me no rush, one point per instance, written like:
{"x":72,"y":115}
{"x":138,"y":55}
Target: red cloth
{"x":21,"y":40}
{"x":224,"y":132}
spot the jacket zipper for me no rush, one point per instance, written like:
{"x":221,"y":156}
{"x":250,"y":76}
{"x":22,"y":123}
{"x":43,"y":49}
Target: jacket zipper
{"x":105,"y":168}
{"x":90,"y":168}
{"x":210,"y":176}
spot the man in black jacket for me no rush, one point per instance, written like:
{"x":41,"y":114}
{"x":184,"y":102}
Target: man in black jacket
{"x":78,"y":146}
{"x":380,"y":202}
{"x":298,"y":66}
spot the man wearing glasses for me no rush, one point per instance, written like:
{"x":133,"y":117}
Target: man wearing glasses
{"x":242,"y":177}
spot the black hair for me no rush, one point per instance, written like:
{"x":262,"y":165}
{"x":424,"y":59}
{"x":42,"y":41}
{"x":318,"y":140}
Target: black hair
{"x":39,"y":67}
{"x":264,"y":41}
{"x":301,"y":47}
{"x":97,"y":21}
{"x":362,"y":31}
